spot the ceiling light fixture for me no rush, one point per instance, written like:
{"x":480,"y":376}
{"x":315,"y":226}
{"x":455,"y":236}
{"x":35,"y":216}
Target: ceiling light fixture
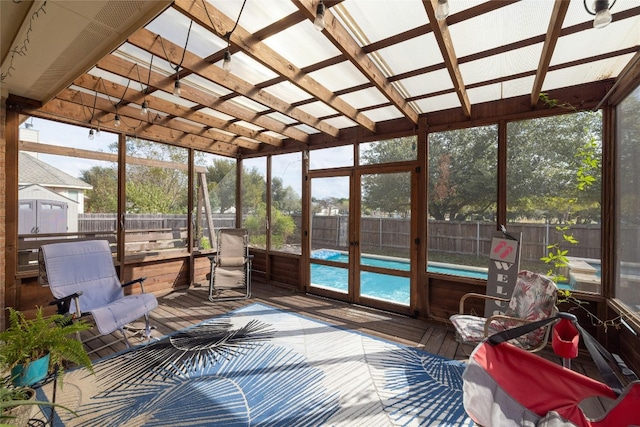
{"x":318,"y":23}
{"x":98,"y":131}
{"x":144,"y":107}
{"x":442,"y":10}
{"x":91,"y":134}
{"x":177,"y":91}
{"x":226,"y":63}
{"x":601,"y":11}
{"x":116,"y":120}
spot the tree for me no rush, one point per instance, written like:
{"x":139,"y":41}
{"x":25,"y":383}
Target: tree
{"x":156,"y":189}
{"x":462,"y":173}
{"x":285,"y":199}
{"x":544,"y":156}
{"x":103,"y":198}
{"x":221,"y":180}
{"x":388,"y":192}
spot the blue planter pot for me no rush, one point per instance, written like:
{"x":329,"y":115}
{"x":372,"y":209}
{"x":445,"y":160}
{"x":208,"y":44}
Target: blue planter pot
{"x":25,"y":376}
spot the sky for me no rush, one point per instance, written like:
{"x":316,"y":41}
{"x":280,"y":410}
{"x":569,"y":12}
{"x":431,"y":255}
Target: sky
{"x":286,"y":167}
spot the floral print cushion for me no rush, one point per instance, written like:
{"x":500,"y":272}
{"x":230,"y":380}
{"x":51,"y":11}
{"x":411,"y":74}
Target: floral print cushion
{"x":534,"y":298}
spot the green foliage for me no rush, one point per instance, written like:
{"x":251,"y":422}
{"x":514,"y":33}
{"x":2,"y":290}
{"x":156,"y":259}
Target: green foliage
{"x":557,"y":256}
{"x":26,"y":340}
{"x":463,"y":173}
{"x":12,"y":397}
{"x":103,"y":198}
{"x":221,"y":182}
{"x":282,"y":226}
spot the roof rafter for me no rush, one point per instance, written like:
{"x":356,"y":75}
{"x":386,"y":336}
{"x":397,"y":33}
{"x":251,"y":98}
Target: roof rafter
{"x":146,"y":40}
{"x":57,"y":108}
{"x":340,"y":37}
{"x":443,"y":37}
{"x":560,"y":8}
{"x":123,"y":68}
{"x":172,"y":110}
{"x":135,"y":122}
{"x":262,"y":53}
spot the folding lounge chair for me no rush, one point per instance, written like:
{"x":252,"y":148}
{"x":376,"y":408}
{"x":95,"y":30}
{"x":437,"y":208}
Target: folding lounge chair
{"x":83,"y":272}
{"x":231,"y":266}
{"x":534,"y":298}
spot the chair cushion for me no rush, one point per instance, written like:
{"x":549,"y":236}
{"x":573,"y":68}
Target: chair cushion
{"x":113,"y":316}
{"x":231,"y":261}
{"x":470,"y":328}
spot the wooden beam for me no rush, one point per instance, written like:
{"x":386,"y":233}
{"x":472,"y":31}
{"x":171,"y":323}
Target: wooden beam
{"x":627,"y":81}
{"x":75,"y":113}
{"x":342,"y":39}
{"x":57,"y":150}
{"x":268,"y":57}
{"x":443,"y":37}
{"x":135,"y":122}
{"x":124,"y":68}
{"x":148,"y":41}
{"x":171,"y":109}
{"x":560,"y":8}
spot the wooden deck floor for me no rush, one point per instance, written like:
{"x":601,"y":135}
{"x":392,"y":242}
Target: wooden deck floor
{"x":184,"y":308}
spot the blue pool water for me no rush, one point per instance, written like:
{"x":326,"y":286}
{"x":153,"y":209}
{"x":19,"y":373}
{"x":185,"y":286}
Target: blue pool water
{"x":375,"y":285}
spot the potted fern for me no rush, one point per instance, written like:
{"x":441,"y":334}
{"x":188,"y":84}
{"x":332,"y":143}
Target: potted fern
{"x":46,"y":340}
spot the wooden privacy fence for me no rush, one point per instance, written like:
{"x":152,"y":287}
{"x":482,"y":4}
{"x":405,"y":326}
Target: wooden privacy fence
{"x":447,"y":237}
{"x":453,"y":237}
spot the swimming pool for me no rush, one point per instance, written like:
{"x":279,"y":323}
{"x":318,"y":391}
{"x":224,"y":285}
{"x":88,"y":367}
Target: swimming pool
{"x":375,"y":285}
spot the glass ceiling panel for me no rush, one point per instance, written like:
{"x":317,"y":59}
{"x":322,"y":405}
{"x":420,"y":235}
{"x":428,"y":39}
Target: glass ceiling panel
{"x":318,"y":109}
{"x":437,"y":103}
{"x":249,"y":103}
{"x":585,"y":73}
{"x":110,"y":77}
{"x":287,"y":92}
{"x":131,"y":53}
{"x":281,"y":118}
{"x":423,"y":84}
{"x":518,"y":87}
{"x":205,"y":85}
{"x":273,"y":134}
{"x":384,"y":113}
{"x":217,"y":114}
{"x":484,"y":93}
{"x":257,"y":14}
{"x":169,"y":97}
{"x":502,"y":65}
{"x":248,"y":125}
{"x":365,"y":98}
{"x":341,"y":122}
{"x":411,"y":55}
{"x":340,"y":76}
{"x":174,"y":26}
{"x":249,"y":69}
{"x":596,"y":41}
{"x":368,"y":21}
{"x":306,"y":129}
{"x":518,"y":21}
{"x":302,"y":45}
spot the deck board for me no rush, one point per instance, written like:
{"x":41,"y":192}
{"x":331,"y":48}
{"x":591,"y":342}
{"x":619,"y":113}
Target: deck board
{"x":184,"y":308}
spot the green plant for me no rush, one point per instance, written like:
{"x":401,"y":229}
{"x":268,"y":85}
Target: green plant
{"x":27,"y":340}
{"x":13,"y":398}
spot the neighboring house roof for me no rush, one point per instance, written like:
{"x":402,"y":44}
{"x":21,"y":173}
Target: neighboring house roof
{"x":35,"y":171}
{"x":52,"y":194}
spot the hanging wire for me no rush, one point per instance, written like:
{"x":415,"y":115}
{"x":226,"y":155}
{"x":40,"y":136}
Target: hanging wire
{"x":184,"y":51}
{"x":21,"y":48}
{"x":227,"y":36}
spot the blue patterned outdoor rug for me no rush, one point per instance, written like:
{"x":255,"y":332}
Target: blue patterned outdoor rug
{"x":261,"y":366}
